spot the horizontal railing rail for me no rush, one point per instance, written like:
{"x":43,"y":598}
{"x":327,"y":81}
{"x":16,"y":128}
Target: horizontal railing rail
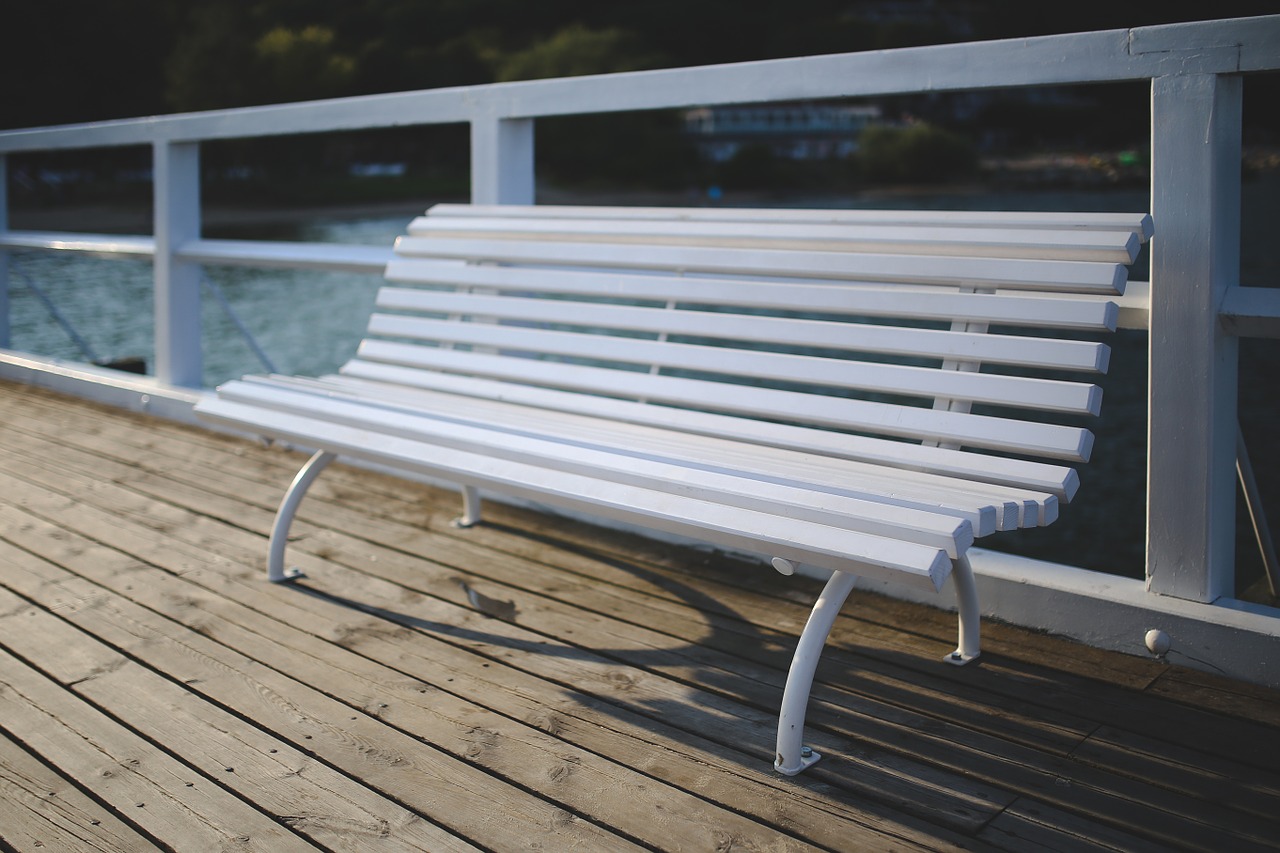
{"x":1211,"y":47}
{"x":1194,"y":306}
{"x":331,"y":257}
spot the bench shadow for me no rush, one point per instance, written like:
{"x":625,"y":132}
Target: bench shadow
{"x":904,"y":736}
{"x":733,"y":692}
{"x":723,"y":709}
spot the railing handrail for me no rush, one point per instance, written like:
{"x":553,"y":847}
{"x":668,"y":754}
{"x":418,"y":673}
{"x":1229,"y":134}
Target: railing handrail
{"x":1208,"y":47}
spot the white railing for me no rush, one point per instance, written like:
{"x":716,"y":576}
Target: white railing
{"x":1196,"y":312}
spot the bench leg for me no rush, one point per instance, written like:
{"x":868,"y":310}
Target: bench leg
{"x":470,"y":508}
{"x":284,"y":516}
{"x":970,"y":616}
{"x":792,"y":755}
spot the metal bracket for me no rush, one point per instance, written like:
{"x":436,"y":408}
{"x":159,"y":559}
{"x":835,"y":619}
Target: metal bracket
{"x":959,"y":658}
{"x":470,"y":509}
{"x":808,"y":758}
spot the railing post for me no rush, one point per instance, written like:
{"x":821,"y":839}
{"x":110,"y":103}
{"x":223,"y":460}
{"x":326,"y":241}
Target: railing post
{"x":1195,"y":257}
{"x":501,"y":160}
{"x":177,"y":284}
{"x":4,"y":254}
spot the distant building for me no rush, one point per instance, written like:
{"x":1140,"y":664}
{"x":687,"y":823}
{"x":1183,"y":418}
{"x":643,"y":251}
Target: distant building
{"x":377,"y":170}
{"x":794,"y":131}
{"x":953,"y":16}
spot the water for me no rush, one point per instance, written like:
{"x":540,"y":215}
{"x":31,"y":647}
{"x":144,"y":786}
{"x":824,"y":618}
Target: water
{"x":307,"y":322}
{"x":310,"y":323}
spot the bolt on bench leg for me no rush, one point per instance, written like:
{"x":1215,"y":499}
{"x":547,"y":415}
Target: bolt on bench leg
{"x":276,"y":572}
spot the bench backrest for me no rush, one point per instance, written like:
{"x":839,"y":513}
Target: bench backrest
{"x":950,"y":330}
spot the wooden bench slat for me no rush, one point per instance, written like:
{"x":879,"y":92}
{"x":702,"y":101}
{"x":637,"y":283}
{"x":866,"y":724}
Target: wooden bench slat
{"x":1008,"y":273}
{"x":1048,"y":353}
{"x":1138,"y":223}
{"x":927,"y":303}
{"x":989,"y":507}
{"x":1026,"y":437}
{"x":898,"y":379}
{"x":986,"y":506}
{"x":871,"y":556}
{"x":816,"y":504}
{"x":515,"y":403}
{"x":1062,"y":244}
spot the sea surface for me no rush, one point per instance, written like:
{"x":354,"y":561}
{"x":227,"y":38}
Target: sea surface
{"x":310,"y":323}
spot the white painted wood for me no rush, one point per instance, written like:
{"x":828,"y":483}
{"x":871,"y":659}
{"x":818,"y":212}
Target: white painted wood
{"x":1007,"y":273}
{"x":1139,"y":224}
{"x":1106,"y":246}
{"x":712,"y":436}
{"x":177,"y":282}
{"x":501,"y":159}
{"x":1134,"y":307}
{"x":335,"y":257}
{"x":1252,"y":312}
{"x":103,"y":385}
{"x":935,"y":304}
{"x":885,"y":339}
{"x":802,"y":541}
{"x":970,"y":430}
{"x":985,"y":505}
{"x":797,"y":499}
{"x":1192,"y":420}
{"x":105,"y":245}
{"x":898,"y":379}
{"x":1183,"y":38}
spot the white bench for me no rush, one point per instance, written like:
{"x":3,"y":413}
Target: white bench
{"x":862,"y":391}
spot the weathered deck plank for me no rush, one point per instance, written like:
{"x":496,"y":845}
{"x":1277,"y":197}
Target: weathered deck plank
{"x":348,"y":731}
{"x":319,"y":803}
{"x":161,"y":795}
{"x":335,"y":619}
{"x":627,"y":701}
{"x":41,"y":810}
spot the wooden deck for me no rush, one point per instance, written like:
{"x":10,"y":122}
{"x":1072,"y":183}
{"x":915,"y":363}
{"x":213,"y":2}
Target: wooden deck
{"x":156,"y":692}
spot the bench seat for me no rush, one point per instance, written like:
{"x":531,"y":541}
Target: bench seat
{"x":863,"y":392}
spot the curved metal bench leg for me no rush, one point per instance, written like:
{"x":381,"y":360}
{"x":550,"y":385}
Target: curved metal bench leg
{"x":276,"y":572}
{"x":470,"y":508}
{"x":792,"y":755}
{"x":970,"y":617}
